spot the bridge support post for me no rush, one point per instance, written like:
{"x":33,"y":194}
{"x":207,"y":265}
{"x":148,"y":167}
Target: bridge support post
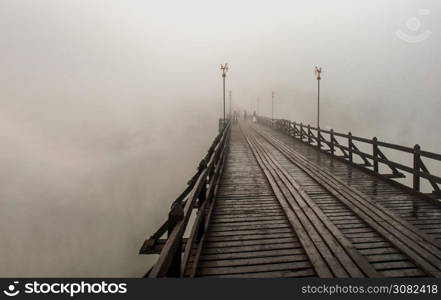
{"x":202,"y":199}
{"x":375,"y":153}
{"x":332,"y":142}
{"x":309,"y":134}
{"x":221,"y":124}
{"x":416,"y":167}
{"x":350,"y":146}
{"x":319,"y":142}
{"x":175,"y":215}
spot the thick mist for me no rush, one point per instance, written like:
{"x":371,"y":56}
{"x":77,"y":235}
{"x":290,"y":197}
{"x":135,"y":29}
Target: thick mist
{"x":106,"y":107}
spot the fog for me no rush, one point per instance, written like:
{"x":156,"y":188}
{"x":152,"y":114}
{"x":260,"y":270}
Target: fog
{"x":106,"y":107}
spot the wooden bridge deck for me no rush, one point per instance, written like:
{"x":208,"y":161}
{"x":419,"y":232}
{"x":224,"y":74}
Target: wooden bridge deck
{"x":284,"y":209}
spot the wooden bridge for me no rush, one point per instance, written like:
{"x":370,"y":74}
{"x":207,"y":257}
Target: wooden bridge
{"x":279,"y":199}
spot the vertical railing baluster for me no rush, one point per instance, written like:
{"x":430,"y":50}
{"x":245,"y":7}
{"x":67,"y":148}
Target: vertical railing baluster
{"x":309,"y":134}
{"x":375,"y":153}
{"x":332,"y":142}
{"x":202,"y":199}
{"x":175,"y":215}
{"x":416,"y":167}
{"x":301,"y":131}
{"x":350,"y":146}
{"x":319,"y":142}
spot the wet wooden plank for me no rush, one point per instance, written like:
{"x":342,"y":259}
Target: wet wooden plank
{"x":294,"y":242}
{"x":404,"y":273}
{"x":336,"y":257}
{"x":253,"y":254}
{"x":231,"y":262}
{"x":396,"y":232}
{"x":211,"y":238}
{"x":247,"y":218}
{"x":248,"y":226}
{"x":275,"y":274}
{"x":253,"y":269}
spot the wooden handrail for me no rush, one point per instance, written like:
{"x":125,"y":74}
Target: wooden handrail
{"x":174,"y":258}
{"x":328,"y":143}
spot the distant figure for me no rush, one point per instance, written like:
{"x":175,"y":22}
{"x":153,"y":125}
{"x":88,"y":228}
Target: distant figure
{"x":254,"y":117}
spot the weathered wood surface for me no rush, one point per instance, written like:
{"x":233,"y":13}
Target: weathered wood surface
{"x":249,"y":234}
{"x":283,"y":209}
{"x":422,"y":249}
{"x":424,"y":215}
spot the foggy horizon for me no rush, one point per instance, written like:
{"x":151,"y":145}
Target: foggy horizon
{"x":107,"y":107}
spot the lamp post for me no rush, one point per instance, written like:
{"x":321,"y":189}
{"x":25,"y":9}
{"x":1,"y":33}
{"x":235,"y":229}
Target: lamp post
{"x":224,"y":69}
{"x":318,"y":71}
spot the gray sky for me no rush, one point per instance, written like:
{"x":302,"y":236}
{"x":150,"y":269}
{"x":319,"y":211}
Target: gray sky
{"x":97,"y":98}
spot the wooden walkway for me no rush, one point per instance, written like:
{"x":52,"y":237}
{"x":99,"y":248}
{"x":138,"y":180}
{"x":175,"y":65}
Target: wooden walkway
{"x":284,"y":209}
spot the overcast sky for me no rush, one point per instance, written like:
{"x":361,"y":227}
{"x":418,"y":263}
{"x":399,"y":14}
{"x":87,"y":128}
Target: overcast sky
{"x":97,"y":98}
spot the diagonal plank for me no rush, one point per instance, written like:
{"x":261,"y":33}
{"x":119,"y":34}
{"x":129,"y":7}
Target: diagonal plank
{"x":422,"y":249}
{"x":327,"y":248}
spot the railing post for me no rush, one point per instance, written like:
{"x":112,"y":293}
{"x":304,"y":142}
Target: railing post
{"x":294,"y":124}
{"x":375,"y":153}
{"x":319,"y":142}
{"x":416,"y":167}
{"x":332,"y":142}
{"x":175,"y":215}
{"x":309,"y":134}
{"x":350,"y":146}
{"x":289,"y":128}
{"x":301,"y":131}
{"x":202,"y":199}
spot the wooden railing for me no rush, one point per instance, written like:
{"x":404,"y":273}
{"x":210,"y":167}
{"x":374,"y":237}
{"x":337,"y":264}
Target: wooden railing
{"x":347,"y":147}
{"x":175,"y":251}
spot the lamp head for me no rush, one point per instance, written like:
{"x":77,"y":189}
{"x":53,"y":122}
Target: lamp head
{"x":224,"y":69}
{"x":318,"y":71}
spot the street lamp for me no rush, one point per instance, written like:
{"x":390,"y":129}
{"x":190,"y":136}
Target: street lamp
{"x":224,"y":69}
{"x":318,"y":71}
